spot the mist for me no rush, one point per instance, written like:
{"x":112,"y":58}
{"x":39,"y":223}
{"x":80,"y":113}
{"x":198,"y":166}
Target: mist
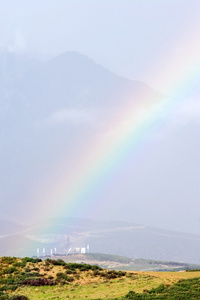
{"x":70,"y":71}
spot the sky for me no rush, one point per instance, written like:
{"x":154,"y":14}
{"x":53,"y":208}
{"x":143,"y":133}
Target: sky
{"x":129,"y":37}
{"x":156,"y":42}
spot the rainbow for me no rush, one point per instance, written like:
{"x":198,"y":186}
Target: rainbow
{"x":124,"y":136}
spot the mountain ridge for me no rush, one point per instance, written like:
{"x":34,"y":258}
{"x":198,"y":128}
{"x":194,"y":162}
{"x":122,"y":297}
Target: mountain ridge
{"x":126,"y":239}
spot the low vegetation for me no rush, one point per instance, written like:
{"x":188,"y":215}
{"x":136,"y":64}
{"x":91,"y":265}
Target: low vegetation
{"x":116,"y":262}
{"x":108,"y":257}
{"x":33,"y":278}
{"x":182,"y":290}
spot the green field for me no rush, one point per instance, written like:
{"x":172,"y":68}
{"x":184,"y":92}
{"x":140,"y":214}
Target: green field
{"x":55,"y":279}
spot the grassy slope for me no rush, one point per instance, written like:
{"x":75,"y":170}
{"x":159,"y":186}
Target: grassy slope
{"x":109,"y":289}
{"x":88,"y":284}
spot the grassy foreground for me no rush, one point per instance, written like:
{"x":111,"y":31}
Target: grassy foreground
{"x":29,"y":278}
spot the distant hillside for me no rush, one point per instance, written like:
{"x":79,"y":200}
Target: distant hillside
{"x":117,"y":262}
{"x":49,"y":112}
{"x":17,"y":245}
{"x":7,"y":227}
{"x":115,"y":238}
{"x":36,"y":90}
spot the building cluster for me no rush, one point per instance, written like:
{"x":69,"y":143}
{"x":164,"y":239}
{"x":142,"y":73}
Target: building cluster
{"x":81,"y":250}
{"x":71,"y":250}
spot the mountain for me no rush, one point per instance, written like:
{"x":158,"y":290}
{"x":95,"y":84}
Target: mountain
{"x":116,"y":238}
{"x":36,"y":90}
{"x":49,"y":112}
{"x":7,"y":227}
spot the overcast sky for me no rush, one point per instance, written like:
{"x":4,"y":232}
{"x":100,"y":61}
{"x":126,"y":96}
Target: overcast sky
{"x":157,"y":42}
{"x":129,"y":37}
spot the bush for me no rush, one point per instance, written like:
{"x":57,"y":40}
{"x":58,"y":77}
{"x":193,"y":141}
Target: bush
{"x":112,"y":274}
{"x":60,"y":262}
{"x":81,"y":267}
{"x":61,"y":275}
{"x":9,"y":280}
{"x":96,"y":272}
{"x":158,"y":290}
{"x":27,"y":270}
{"x":131,"y":295}
{"x":30,"y":259}
{"x":38,"y":282}
{"x":18,"y":297}
{"x":4,"y":297}
{"x":77,"y":276}
{"x":8,"y":260}
{"x":9,"y":270}
{"x":70,"y":278}
{"x":69,"y":272}
{"x":36,"y":269}
{"x":19,"y":264}
{"x":55,"y":262}
{"x":121,"y":273}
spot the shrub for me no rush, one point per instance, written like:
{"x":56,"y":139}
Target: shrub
{"x":4,"y":297}
{"x":77,"y":276}
{"x":96,"y":272}
{"x":35,"y":269}
{"x":69,"y":272}
{"x":61,"y":275}
{"x":70,"y":278}
{"x":9,"y":270}
{"x":81,"y":267}
{"x":9,"y":280}
{"x":8,"y":260}
{"x":55,"y":262}
{"x":121,"y":273}
{"x":158,"y":290}
{"x":60,"y":262}
{"x":18,"y":297}
{"x":30,"y":259}
{"x":27,"y":270}
{"x":130,"y":295}
{"x":38,"y":282}
{"x":19,"y":264}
